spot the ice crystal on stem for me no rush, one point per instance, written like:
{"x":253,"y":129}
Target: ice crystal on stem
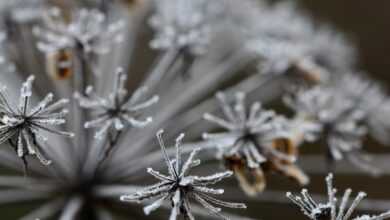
{"x":178,"y":188}
{"x":22,"y":126}
{"x":254,"y":140}
{"x":331,"y":210}
{"x":117,"y":111}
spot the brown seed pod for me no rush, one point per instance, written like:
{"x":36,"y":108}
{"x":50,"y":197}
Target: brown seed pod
{"x":286,"y":167}
{"x":59,"y":64}
{"x":308,"y":71}
{"x":252,"y":180}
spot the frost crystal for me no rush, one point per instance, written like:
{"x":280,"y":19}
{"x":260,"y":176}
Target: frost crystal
{"x":178,"y":188}
{"x":117,"y":111}
{"x":330,"y":210}
{"x":252,"y":138}
{"x":88,"y":29}
{"x":23,"y":126}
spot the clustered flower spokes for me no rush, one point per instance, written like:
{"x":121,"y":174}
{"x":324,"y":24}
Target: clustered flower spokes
{"x":181,"y":25}
{"x":24,"y":124}
{"x":337,"y":119}
{"x":179,"y":188}
{"x":245,"y":132}
{"x":253,"y":138}
{"x":87,"y":28}
{"x":330,"y":210}
{"x":117,"y":111}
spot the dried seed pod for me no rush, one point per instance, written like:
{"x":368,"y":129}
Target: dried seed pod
{"x":251,"y":180}
{"x":308,"y":71}
{"x":59,"y":64}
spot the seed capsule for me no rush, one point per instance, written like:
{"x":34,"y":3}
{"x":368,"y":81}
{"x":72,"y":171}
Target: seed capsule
{"x":286,"y":164}
{"x":60,"y":64}
{"x":252,"y":180}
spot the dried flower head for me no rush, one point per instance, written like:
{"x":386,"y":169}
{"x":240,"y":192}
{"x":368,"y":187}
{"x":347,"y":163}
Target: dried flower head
{"x":86,"y":29}
{"x":330,"y":210}
{"x":340,"y":117}
{"x":296,"y":46}
{"x":182,"y":25}
{"x":370,"y":98}
{"x":117,"y":111}
{"x":22,"y":126}
{"x":255,"y":140}
{"x":178,"y":188}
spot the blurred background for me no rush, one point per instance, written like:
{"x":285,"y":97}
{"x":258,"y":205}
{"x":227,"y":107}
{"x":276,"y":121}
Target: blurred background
{"x":367,"y":23}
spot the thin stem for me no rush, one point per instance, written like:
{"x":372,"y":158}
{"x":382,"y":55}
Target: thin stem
{"x":112,"y":142}
{"x":160,"y":69}
{"x":103,"y":6}
{"x":80,"y":115}
{"x":25,"y":163}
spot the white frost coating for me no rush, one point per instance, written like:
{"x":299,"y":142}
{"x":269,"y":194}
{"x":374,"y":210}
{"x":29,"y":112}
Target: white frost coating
{"x":88,"y":28}
{"x":331,"y":209}
{"x":179,"y":188}
{"x":116,"y":112}
{"x":242,"y":126}
{"x":22,"y":126}
{"x":343,"y":113}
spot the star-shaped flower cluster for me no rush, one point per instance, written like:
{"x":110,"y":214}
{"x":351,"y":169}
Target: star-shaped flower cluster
{"x":182,"y":24}
{"x":254,"y":139}
{"x":331,"y":210}
{"x":22,"y":126}
{"x":343,"y":120}
{"x":88,"y":29}
{"x":178,"y":188}
{"x":297,"y":45}
{"x":117,"y":111}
